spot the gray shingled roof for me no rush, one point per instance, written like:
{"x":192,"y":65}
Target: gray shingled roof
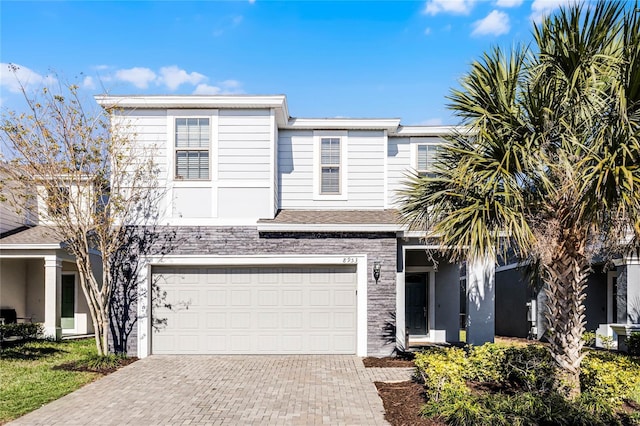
{"x":33,"y":235}
{"x":334,"y":217}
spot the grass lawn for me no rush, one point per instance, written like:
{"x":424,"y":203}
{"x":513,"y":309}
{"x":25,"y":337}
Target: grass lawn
{"x":31,"y":376}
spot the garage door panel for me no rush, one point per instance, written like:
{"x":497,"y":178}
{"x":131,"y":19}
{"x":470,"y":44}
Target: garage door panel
{"x":241,"y":342}
{"x":216,"y":320}
{"x":268,"y":297}
{"x":292,"y":320}
{"x":216,"y":297}
{"x":240,"y":320}
{"x":344,"y":298}
{"x":344,"y":320}
{"x":268,"y":320}
{"x":215,"y":343}
{"x":241,"y":297}
{"x":319,"y":297}
{"x":292,"y":297}
{"x":257,"y":310}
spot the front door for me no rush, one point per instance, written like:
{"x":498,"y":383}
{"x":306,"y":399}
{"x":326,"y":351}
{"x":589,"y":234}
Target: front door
{"x":67,"y":309}
{"x":416,"y":303}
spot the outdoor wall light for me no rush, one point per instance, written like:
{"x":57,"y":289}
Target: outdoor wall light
{"x":376,"y":271}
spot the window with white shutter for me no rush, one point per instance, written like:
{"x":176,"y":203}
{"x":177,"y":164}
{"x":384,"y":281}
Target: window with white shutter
{"x":192,"y":142}
{"x":330,"y":166}
{"x":426,"y":159}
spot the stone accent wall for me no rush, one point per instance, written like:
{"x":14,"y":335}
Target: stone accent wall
{"x":241,"y":241}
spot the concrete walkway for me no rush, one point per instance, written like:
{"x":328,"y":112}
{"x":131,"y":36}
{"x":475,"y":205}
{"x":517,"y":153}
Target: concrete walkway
{"x":234,"y":390}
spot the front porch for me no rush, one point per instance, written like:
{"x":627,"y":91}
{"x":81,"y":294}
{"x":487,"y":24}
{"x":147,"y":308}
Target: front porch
{"x":436,"y":300}
{"x":40,"y":282}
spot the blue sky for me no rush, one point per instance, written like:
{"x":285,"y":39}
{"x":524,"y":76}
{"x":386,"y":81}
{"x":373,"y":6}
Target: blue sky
{"x":332,"y":59}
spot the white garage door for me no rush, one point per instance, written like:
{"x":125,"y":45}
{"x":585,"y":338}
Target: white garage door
{"x":255,"y":310}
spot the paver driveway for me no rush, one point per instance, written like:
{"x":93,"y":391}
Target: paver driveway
{"x":297,"y":389}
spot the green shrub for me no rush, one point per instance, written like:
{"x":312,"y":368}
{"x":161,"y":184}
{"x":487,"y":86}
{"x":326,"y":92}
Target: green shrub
{"x":523,"y":408}
{"x":530,"y":368}
{"x":23,"y":330}
{"x":633,"y":343}
{"x":486,"y":363}
{"x":610,"y":378}
{"x":101,"y":362}
{"x":526,"y":377}
{"x":443,"y":372}
{"x":459,"y":410}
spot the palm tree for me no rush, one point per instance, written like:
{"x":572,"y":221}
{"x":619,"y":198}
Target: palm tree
{"x":549,"y":164}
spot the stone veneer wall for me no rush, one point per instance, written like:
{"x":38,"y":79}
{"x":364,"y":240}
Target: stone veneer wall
{"x":241,"y":241}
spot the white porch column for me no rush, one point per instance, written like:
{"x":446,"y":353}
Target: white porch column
{"x":52,"y":296}
{"x":481,"y":296}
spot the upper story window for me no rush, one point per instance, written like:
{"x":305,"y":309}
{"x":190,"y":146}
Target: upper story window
{"x":57,"y":201}
{"x":192,"y":145}
{"x":426,"y":159}
{"x":329,"y":165}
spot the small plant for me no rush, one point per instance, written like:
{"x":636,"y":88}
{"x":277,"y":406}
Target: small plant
{"x":607,"y":341}
{"x":96,"y":362}
{"x":589,"y":338}
{"x":442,"y":372}
{"x":633,"y":343}
{"x":23,"y":330}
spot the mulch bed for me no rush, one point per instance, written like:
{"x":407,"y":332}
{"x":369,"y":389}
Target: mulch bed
{"x":388,"y":362}
{"x":80,"y":366}
{"x":402,"y":403}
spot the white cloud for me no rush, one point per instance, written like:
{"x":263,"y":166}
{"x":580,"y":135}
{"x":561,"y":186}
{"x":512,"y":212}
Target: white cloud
{"x":427,"y":31}
{"x":508,"y":3}
{"x":138,"y":76}
{"x":12,"y":76}
{"x":88,"y":83}
{"x":222,"y":87}
{"x":205,"y":89}
{"x":173,"y":77}
{"x":461,"y":7}
{"x":495,"y":23}
{"x":252,"y":1}
{"x":230,"y":84}
{"x":542,"y":8}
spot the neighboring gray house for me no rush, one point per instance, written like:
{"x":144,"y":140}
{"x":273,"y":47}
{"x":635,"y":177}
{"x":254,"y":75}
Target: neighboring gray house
{"x":612,"y":303}
{"x":289,"y":238}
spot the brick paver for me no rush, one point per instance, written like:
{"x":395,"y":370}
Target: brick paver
{"x":227,"y":390}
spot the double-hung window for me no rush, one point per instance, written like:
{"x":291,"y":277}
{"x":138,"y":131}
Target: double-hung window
{"x":426,"y":159}
{"x":58,"y":201}
{"x":192,"y":143}
{"x":330,"y":166}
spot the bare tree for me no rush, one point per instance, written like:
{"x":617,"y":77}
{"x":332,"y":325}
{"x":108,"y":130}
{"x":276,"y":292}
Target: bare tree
{"x":90,"y":189}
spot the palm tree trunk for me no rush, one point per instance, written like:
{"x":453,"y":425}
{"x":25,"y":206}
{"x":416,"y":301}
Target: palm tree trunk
{"x":565,"y":283}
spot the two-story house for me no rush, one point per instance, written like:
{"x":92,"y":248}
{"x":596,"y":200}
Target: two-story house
{"x":39,"y":279}
{"x":290,"y":242}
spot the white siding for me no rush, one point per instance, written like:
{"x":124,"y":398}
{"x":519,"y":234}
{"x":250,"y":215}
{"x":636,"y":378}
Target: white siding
{"x":398,"y":164}
{"x":365,"y":174}
{"x":244,"y":142}
{"x":401,"y":160}
{"x":149,"y":129}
